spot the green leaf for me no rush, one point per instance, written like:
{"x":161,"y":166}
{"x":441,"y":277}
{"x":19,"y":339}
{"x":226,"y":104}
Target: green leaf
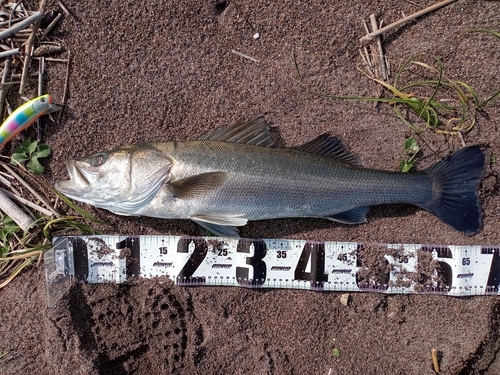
{"x":8,"y":227}
{"x":410,"y":146}
{"x":35,"y":167}
{"x":336,"y":352}
{"x":42,"y":151}
{"x":405,"y":165}
{"x":18,"y":158}
{"x":25,"y":145}
{"x":32,"y":146}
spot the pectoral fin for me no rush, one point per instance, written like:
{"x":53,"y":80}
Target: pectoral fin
{"x":198,"y":185}
{"x":354,"y":216}
{"x":224,"y":226}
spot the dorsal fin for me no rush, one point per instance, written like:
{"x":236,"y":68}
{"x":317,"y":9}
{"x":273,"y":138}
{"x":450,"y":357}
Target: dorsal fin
{"x":329,"y":146}
{"x":253,"y":132}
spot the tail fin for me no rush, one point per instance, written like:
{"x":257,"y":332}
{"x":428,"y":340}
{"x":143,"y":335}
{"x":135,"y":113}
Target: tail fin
{"x":455,"y":181}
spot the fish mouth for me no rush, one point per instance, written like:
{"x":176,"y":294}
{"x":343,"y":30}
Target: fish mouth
{"x":77,"y":185}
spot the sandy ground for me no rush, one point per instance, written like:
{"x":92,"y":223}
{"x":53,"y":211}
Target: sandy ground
{"x":163,"y":70}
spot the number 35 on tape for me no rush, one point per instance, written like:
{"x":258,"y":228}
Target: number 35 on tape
{"x":278,"y":263}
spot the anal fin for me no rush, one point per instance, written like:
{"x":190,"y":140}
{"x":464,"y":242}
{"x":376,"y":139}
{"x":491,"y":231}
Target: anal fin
{"x":355,"y":216}
{"x":220,"y":225}
{"x":219,"y":230}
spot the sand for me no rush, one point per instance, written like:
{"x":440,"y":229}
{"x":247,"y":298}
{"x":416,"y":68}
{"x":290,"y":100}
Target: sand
{"x":164,"y":70}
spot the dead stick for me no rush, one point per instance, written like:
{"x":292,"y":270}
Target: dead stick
{"x":66,"y":81}
{"x":51,"y":26}
{"x":16,"y":214}
{"x":28,"y":48}
{"x":35,"y":17}
{"x":12,"y":22}
{"x":65,"y":10}
{"x":373,"y":34}
{"x":52,"y":59}
{"x":26,"y":202}
{"x":11,"y":52}
{"x":41,"y":69}
{"x":5,"y":77}
{"x":383,"y":73}
{"x":27,"y":60}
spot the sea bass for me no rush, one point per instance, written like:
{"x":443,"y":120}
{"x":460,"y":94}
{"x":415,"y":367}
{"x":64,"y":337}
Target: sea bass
{"x":236,"y":174}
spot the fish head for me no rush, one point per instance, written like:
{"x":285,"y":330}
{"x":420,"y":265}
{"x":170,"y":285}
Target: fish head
{"x":43,"y":104}
{"x":122,"y":180}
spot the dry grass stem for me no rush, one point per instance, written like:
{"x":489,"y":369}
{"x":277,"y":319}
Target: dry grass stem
{"x":373,"y":34}
{"x":27,"y":186}
{"x":244,"y":56}
{"x":26,"y":202}
{"x":435,"y":360}
{"x":380,"y":52}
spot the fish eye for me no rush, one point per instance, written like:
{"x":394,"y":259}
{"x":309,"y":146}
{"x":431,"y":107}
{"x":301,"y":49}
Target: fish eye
{"x":42,"y":100}
{"x":98,"y":159}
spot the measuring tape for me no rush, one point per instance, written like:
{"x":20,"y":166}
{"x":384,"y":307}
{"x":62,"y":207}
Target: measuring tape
{"x":274,"y":263}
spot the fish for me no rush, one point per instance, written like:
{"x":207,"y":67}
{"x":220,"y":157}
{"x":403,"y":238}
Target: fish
{"x":237,"y":174}
{"x":24,"y":116}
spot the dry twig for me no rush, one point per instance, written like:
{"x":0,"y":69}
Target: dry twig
{"x":66,"y":81}
{"x":19,"y":216}
{"x":35,"y":17}
{"x":373,"y":34}
{"x":28,"y":48}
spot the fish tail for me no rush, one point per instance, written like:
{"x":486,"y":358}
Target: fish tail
{"x":455,"y":182}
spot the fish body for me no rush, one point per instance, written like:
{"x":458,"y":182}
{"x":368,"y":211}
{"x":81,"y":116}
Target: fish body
{"x":24,"y":116}
{"x":236,"y":174}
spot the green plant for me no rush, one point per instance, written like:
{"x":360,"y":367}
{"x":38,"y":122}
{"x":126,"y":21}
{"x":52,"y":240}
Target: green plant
{"x":435,"y":102}
{"x":30,"y":151}
{"x":7,"y":229}
{"x":411,"y":148}
{"x":19,"y":249}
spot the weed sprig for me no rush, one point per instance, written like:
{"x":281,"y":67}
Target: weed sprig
{"x":18,"y":248}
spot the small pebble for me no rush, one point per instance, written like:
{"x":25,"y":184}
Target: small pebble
{"x":256,"y":36}
{"x":344,"y":299}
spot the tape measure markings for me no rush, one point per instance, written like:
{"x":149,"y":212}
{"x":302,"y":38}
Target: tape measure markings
{"x":280,"y":263}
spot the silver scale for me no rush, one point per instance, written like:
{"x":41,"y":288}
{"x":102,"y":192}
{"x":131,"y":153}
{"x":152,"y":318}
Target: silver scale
{"x":271,"y":263}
